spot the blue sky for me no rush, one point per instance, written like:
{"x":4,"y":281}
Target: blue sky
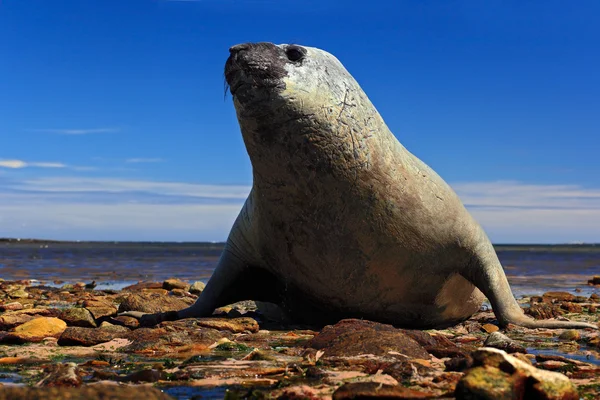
{"x":114,"y":123}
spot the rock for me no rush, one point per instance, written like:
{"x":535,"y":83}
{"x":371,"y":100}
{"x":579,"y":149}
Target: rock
{"x":570,"y":334}
{"x":544,"y":311}
{"x":594,"y":281}
{"x":236,"y":325}
{"x":11,"y":319}
{"x":18,"y":294}
{"x":178,"y":292}
{"x":129,"y":322}
{"x":559,"y":296}
{"x":595,"y":298}
{"x":78,"y":336}
{"x":498,"y":375}
{"x":142,"y":285}
{"x":436,"y":344}
{"x":62,"y":375}
{"x":171,"y":284}
{"x":592,"y":309}
{"x":100,"y":308}
{"x":572,"y":307}
{"x":503,"y":342}
{"x":14,"y":306}
{"x":351,"y":337}
{"x":374,"y":390}
{"x":489,"y":328}
{"x":98,"y":391}
{"x":182,"y":334}
{"x":153,"y":303}
{"x":39,"y":328}
{"x":78,"y":317}
{"x":406,"y":370}
{"x":145,"y":375}
{"x":197,"y":287}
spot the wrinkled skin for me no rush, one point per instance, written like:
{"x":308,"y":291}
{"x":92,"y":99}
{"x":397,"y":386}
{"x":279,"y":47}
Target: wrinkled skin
{"x":342,"y":220}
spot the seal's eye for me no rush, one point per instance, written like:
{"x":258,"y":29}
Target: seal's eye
{"x":295,"y":53}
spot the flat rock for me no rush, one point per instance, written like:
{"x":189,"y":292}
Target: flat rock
{"x":142,"y":285}
{"x":76,"y":316}
{"x":62,"y":375}
{"x":38,"y":329}
{"x":559,"y":296}
{"x":545,"y":311}
{"x":11,"y":319}
{"x":100,"y":308}
{"x":498,"y":375}
{"x":14,"y":306}
{"x":98,"y":391}
{"x":168,"y":338}
{"x":197,"y":287}
{"x":351,"y":337}
{"x":374,"y":390}
{"x":171,"y":284}
{"x":236,"y":325}
{"x":153,"y":303}
{"x":503,"y":342}
{"x":79,"y":336}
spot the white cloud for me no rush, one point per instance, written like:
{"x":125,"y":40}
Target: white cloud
{"x":78,"y":131}
{"x":16,"y":164}
{"x":143,"y":160}
{"x":113,"y":185}
{"x":12,"y":164}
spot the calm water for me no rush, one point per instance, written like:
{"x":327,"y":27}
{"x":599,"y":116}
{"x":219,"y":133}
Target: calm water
{"x":531,"y":269}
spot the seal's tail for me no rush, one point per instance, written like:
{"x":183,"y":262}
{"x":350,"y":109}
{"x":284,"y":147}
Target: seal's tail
{"x":487,"y":275}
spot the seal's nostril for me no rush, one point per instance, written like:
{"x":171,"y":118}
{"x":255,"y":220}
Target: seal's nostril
{"x":238,"y":48}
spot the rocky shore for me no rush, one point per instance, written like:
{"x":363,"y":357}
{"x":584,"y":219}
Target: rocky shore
{"x":69,"y":343}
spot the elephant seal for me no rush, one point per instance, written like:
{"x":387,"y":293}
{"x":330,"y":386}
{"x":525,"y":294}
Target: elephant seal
{"x":342,"y":220}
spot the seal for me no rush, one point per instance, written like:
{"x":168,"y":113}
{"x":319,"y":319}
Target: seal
{"x":342,"y":220}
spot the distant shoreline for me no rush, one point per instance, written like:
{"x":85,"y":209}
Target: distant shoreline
{"x":50,"y":241}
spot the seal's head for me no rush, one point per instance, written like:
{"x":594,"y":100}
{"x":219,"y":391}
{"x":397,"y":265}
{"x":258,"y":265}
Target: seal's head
{"x":288,"y":97}
{"x":257,"y":72}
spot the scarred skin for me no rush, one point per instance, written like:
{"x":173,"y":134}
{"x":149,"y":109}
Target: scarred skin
{"x":342,"y":220}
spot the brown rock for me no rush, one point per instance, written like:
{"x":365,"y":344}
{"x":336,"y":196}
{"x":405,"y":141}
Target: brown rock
{"x":101,"y":391}
{"x":153,"y":303}
{"x":129,"y":322}
{"x":572,"y":307}
{"x":197,"y":287}
{"x":438,"y":345}
{"x":171,"y":284}
{"x":161,"y":291}
{"x":545,"y":311}
{"x":489,"y":328}
{"x":14,"y":306}
{"x":176,"y":335}
{"x":497,"y":375}
{"x":559,"y":296}
{"x":595,"y":298}
{"x":374,"y":390}
{"x":62,"y":375}
{"x":236,"y":325}
{"x":503,"y":342}
{"x":351,"y":337}
{"x":78,"y":317}
{"x":570,"y":334}
{"x":100,"y":308}
{"x":11,"y":319}
{"x":39,"y":328}
{"x":142,"y":285}
{"x":78,"y":336}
